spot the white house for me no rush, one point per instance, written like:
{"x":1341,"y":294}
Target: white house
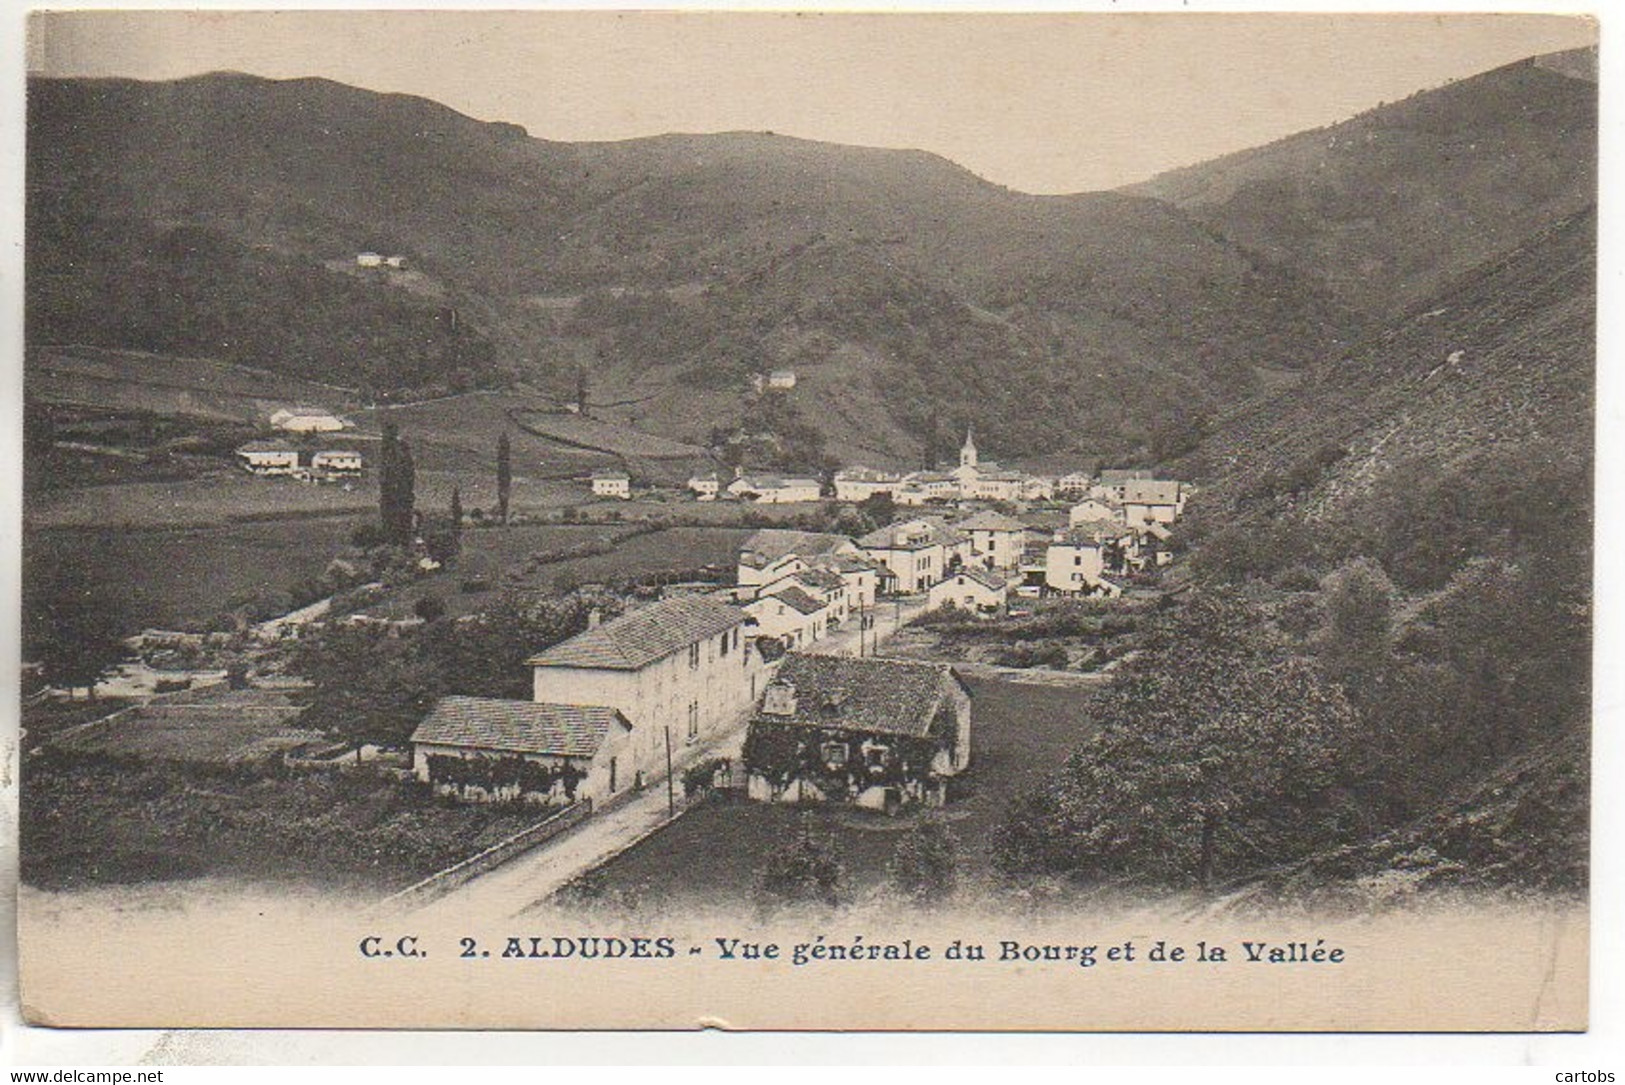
{"x":1038,"y":488}
{"x":1080,"y":559}
{"x":269,"y":457}
{"x":681,"y":666}
{"x":1113,"y":481}
{"x":306,"y":420}
{"x":775,"y":489}
{"x":859,"y":483}
{"x":879,"y":733}
{"x":790,"y":615}
{"x":486,"y":750}
{"x":1074,"y":484}
{"x":705,"y":487}
{"x":861,"y":576}
{"x":918,"y":553}
{"x":1152,"y":501}
{"x":368,"y":259}
{"x":612,"y":482}
{"x":396,"y":262}
{"x":336,"y":461}
{"x":974,"y":589}
{"x":996,"y":540}
{"x":771,"y":554}
{"x":1093,"y":508}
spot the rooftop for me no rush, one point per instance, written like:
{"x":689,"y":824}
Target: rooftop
{"x":765,"y":547}
{"x":986,"y":577}
{"x":882,"y":695}
{"x":989,"y":520}
{"x":1151,"y":492}
{"x":519,"y":726}
{"x":798,"y":600}
{"x":639,"y":638}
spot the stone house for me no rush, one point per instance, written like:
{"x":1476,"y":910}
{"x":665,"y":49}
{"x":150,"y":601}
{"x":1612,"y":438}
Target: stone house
{"x":878,"y":733}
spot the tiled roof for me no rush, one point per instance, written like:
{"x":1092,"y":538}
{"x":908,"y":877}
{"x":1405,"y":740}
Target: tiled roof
{"x":1118,"y":476}
{"x":1151,"y":492}
{"x":986,"y":577}
{"x":860,"y":473}
{"x":911,"y":535}
{"x":822,"y":579}
{"x":519,"y":726}
{"x":636,"y":639}
{"x":798,"y":600}
{"x":765,"y":547}
{"x":990,"y":520}
{"x":609,"y":473}
{"x":267,"y":446}
{"x":882,"y":695}
{"x":1084,"y":535}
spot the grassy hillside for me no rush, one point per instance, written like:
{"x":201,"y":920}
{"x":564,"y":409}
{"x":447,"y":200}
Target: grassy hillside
{"x":1385,"y":207}
{"x":210,"y":216}
{"x":1500,"y":357}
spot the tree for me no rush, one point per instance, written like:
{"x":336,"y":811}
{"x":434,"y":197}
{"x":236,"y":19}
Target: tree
{"x":370,"y":686}
{"x":457,"y":509}
{"x":72,"y":632}
{"x":396,"y":482}
{"x":504,"y":475}
{"x":806,"y":872}
{"x":1356,"y":642}
{"x":924,"y":864}
{"x":1219,"y":752}
{"x":389,"y":454}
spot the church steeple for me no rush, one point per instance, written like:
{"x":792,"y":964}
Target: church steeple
{"x":967,"y":453}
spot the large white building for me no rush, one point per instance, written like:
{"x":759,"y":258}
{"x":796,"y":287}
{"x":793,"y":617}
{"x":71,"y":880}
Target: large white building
{"x":917,"y":553}
{"x":775,"y":489}
{"x":996,"y":540}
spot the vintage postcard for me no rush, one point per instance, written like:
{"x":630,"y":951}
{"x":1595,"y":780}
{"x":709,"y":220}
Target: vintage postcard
{"x":782,"y":520}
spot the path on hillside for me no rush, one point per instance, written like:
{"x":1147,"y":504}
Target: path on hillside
{"x":529,"y":879}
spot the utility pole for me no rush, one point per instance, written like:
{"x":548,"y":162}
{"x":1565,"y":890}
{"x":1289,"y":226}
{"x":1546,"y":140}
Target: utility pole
{"x":671,"y":792}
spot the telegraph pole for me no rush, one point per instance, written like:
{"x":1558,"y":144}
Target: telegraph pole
{"x":671,"y":792}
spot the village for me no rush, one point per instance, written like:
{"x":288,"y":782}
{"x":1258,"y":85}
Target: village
{"x":775,"y":682}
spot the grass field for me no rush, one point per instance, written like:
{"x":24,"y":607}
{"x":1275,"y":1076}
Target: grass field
{"x":163,"y":384}
{"x":714,"y":854}
{"x":488,"y":552}
{"x":87,"y":822}
{"x":180,"y":578}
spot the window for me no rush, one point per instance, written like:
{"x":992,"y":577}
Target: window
{"x":693,"y":720}
{"x":725,"y":638}
{"x":693,"y":657}
{"x":833,"y":753}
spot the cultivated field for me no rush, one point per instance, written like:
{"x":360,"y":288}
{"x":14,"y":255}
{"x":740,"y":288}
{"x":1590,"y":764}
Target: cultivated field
{"x":715,"y":853}
{"x":133,"y":380}
{"x":181,"y":578}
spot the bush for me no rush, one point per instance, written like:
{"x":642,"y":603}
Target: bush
{"x":806,"y":872}
{"x":924,"y":864}
{"x":430,"y":608}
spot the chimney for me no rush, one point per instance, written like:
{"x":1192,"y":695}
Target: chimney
{"x":779,"y":699}
{"x":595,"y":618}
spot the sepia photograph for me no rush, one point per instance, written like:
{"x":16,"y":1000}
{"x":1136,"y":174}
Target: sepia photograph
{"x":1071,"y":521}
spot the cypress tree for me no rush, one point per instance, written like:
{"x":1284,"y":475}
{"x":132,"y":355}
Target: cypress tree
{"x":504,"y":475}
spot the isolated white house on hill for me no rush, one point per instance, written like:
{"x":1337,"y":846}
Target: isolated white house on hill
{"x":306,"y":420}
{"x":612,"y":482}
